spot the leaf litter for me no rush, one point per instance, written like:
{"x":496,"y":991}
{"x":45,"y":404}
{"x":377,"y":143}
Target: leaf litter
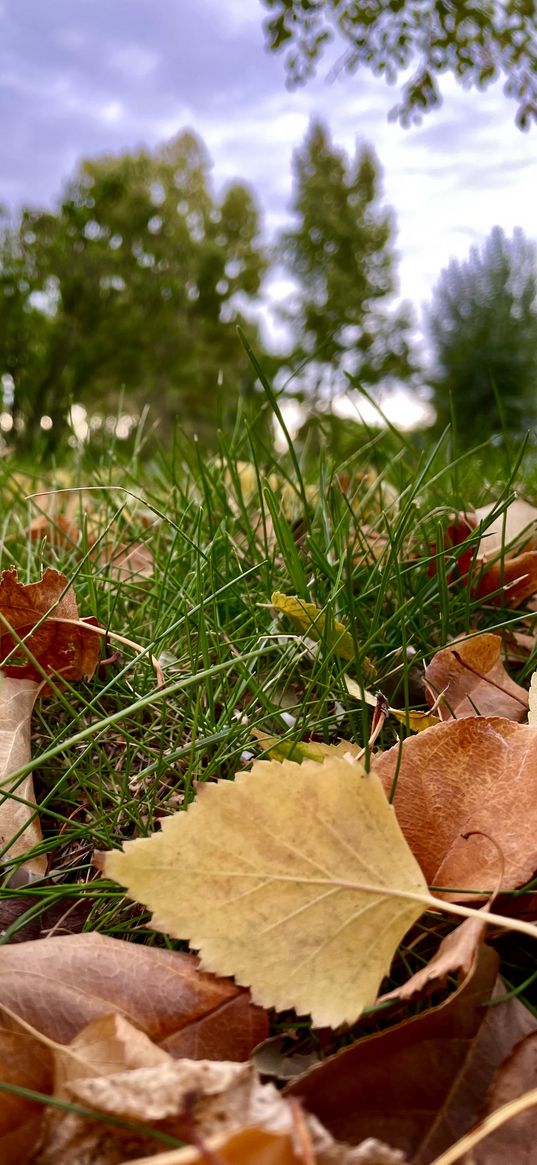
{"x":271,"y":897}
{"x":41,"y":636}
{"x":236,"y":853}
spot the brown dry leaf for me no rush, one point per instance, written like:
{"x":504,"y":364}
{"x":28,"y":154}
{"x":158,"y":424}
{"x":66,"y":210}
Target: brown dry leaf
{"x":198,"y":1095}
{"x":57,"y":529}
{"x":71,"y":652}
{"x":104,"y":1047}
{"x":246,"y":1147}
{"x":471,"y":674}
{"x":270,"y":868}
{"x":138,"y":1082}
{"x":475,"y":774}
{"x":17,"y":816}
{"x":515,"y":1141}
{"x":195,"y":1101}
{"x":60,"y":985}
{"x":254,"y":1146}
{"x":409,"y":1085}
{"x":456,"y":955}
{"x":127,"y":563}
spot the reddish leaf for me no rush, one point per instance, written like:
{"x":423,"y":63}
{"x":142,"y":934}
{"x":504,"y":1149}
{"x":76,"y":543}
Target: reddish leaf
{"x":502,"y":567}
{"x":508,"y":580}
{"x":68,"y":651}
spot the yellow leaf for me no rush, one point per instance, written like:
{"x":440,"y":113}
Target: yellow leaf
{"x":301,"y":750}
{"x":310,"y":620}
{"x":282,"y":878}
{"x":416,"y":721}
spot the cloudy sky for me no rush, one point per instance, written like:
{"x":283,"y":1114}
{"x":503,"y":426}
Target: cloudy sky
{"x":80,"y":77}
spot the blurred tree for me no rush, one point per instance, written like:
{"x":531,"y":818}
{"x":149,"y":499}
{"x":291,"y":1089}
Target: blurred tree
{"x":476,"y":41}
{"x":483,"y":325}
{"x":341,"y":257}
{"x":138,"y":281}
{"x":25,"y":330}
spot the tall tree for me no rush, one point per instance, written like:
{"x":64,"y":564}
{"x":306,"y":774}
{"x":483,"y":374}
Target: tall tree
{"x":340,"y":255}
{"x":140,"y":270}
{"x":476,"y":41}
{"x":483,"y":325}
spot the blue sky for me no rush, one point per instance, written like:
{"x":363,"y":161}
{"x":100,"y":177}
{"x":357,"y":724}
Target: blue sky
{"x":81,"y":77}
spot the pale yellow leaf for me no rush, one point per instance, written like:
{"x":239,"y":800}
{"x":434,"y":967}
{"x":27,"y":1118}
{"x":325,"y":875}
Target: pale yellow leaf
{"x":301,"y":750}
{"x":19,"y":825}
{"x":267,"y":877}
{"x":310,"y":620}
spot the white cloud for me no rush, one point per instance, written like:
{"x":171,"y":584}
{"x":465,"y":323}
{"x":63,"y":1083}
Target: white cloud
{"x":134,"y":61}
{"x":162,"y":68}
{"x":112,"y":112}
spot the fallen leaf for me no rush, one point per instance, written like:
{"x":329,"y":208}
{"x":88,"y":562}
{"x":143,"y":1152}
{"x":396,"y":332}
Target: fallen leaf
{"x":268,"y":867}
{"x":61,"y":984}
{"x":518,"y":646}
{"x":142,"y":1085}
{"x":514,"y":529}
{"x":515,"y":1141}
{"x":105,"y":1047}
{"x":195,"y":1101}
{"x":127,"y":563}
{"x":405,"y":1084}
{"x":19,"y":825}
{"x":28,"y":918}
{"x":300,"y":750}
{"x":57,"y":529}
{"x":471,"y":674}
{"x":456,"y":955}
{"x":311,"y":621}
{"x":60,"y":645}
{"x":246,"y":1147}
{"x":254,"y":1146}
{"x":415,"y":721}
{"x":503,"y":563}
{"x":475,"y":774}
{"x":508,"y":580}
{"x":280,"y":1059}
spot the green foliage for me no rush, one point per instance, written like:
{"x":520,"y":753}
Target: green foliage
{"x":483,"y":324}
{"x":340,"y":254}
{"x":140,"y":267}
{"x":476,"y":41}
